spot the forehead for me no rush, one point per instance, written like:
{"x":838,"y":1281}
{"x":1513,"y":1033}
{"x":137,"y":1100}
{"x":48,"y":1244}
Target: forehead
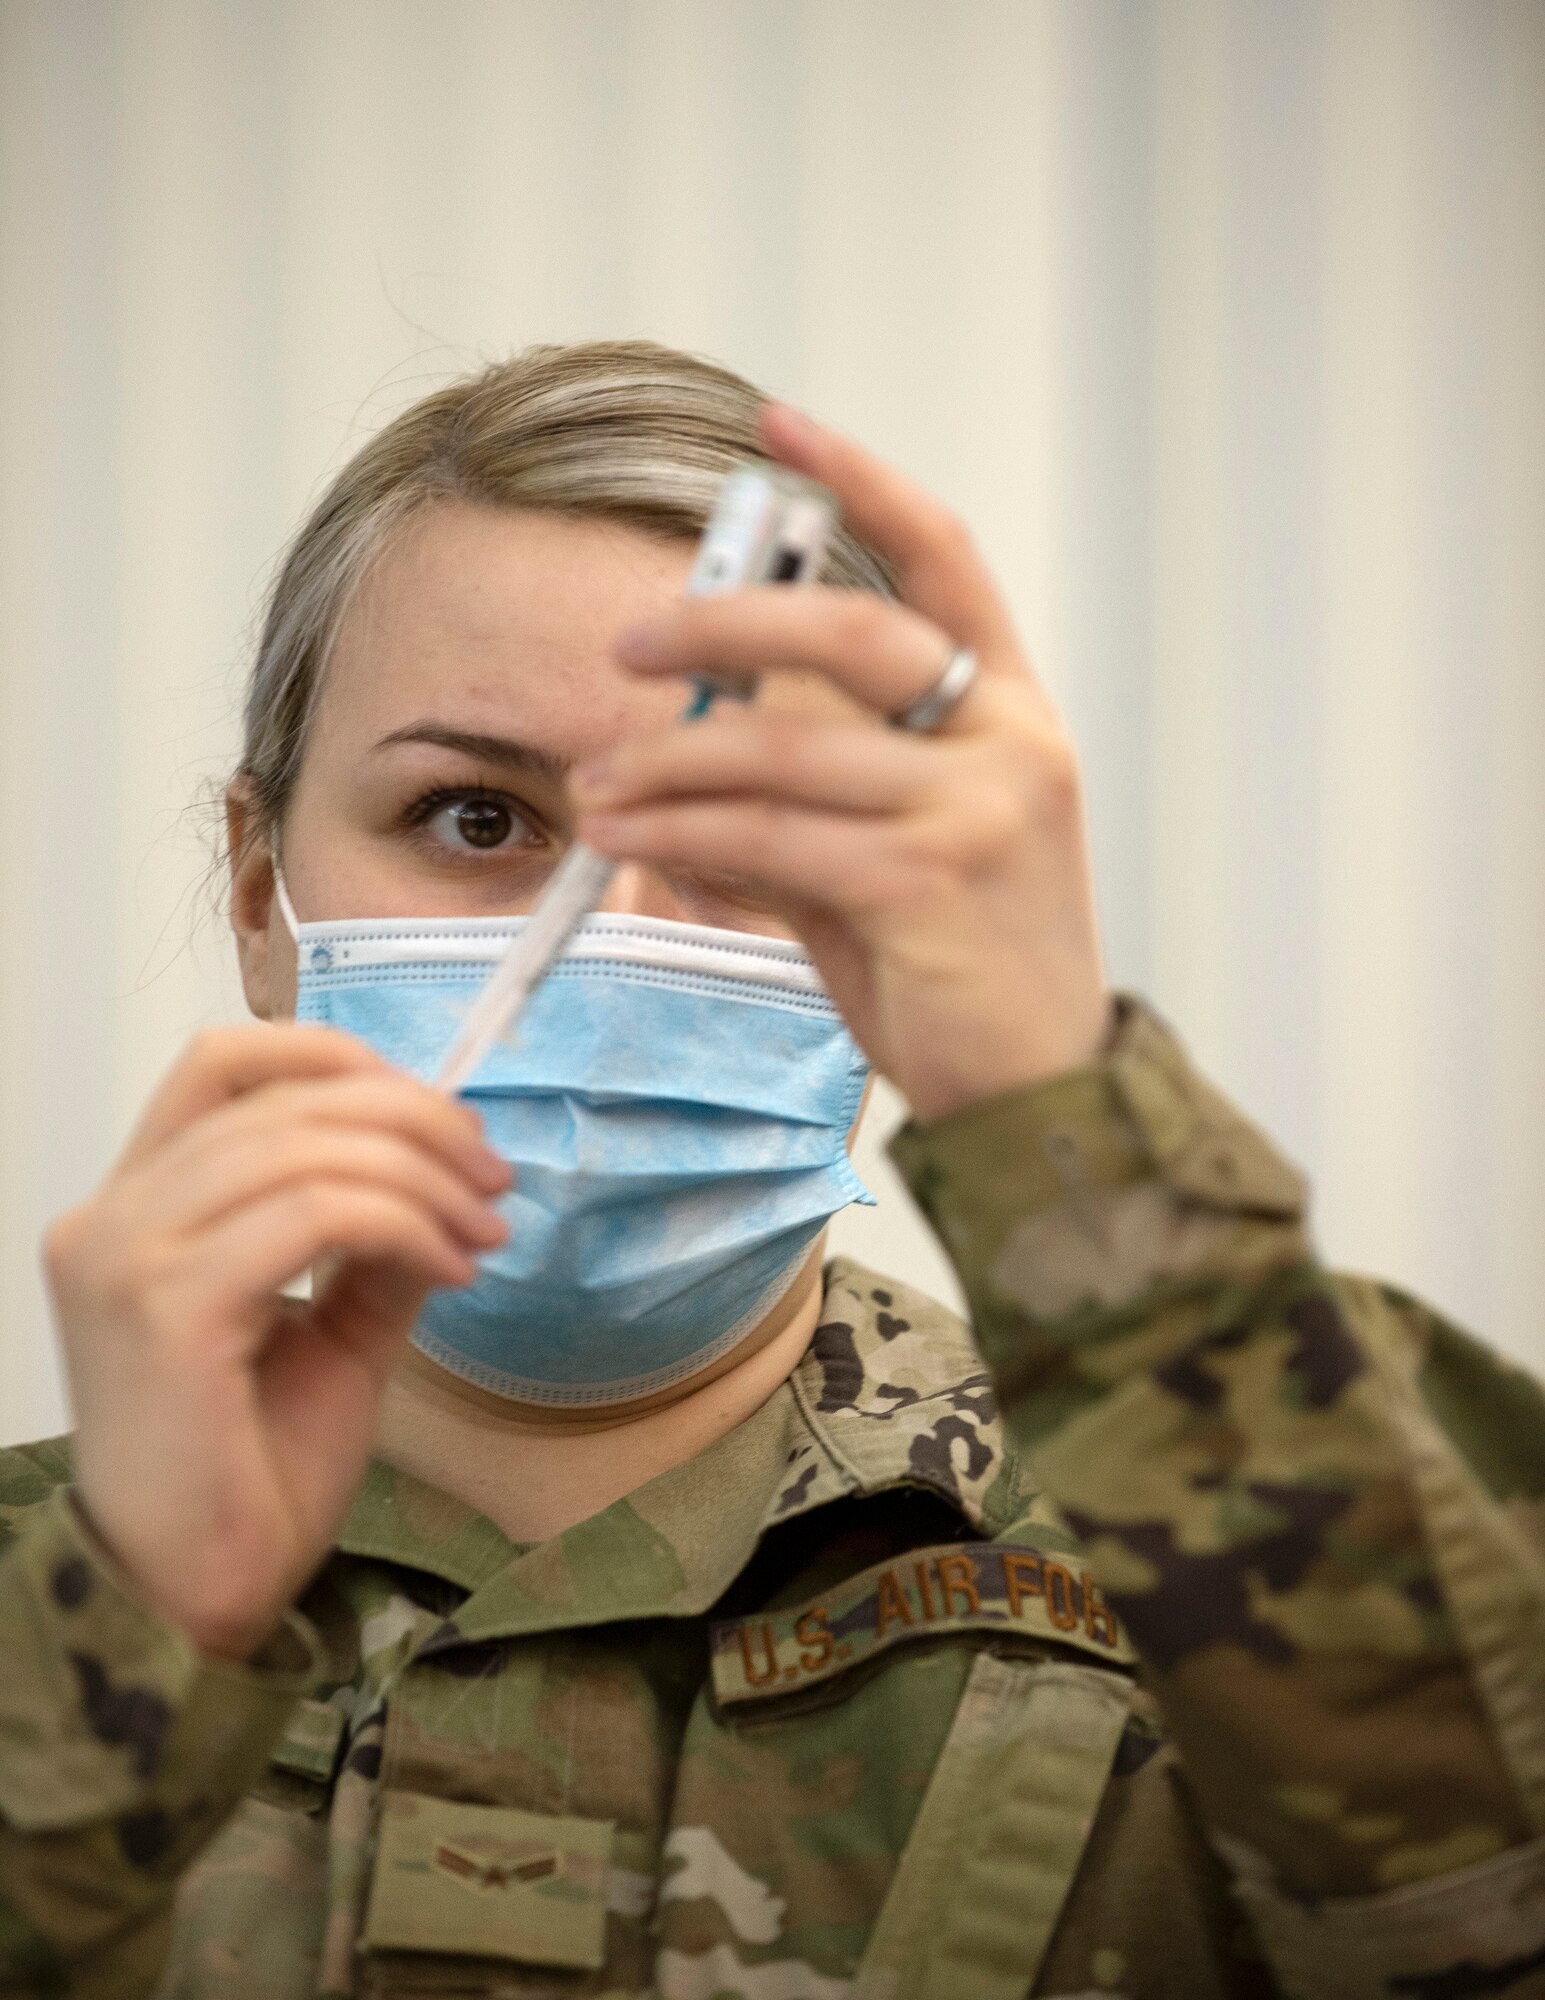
{"x":506,"y":620}
{"x":503,"y":622}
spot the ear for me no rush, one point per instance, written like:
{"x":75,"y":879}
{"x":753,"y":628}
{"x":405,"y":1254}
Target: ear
{"x":262,"y":943}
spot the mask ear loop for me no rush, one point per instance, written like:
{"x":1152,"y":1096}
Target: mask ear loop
{"x":305,"y":1285}
{"x":282,"y":895}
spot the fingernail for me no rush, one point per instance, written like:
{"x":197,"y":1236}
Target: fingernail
{"x":495,"y":1172}
{"x":640,"y":646}
{"x":794,"y":424}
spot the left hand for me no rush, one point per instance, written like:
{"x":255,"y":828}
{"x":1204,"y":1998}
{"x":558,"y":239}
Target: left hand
{"x":940,"y":882}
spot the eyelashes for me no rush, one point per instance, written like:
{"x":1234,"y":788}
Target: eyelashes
{"x":484,"y":819}
{"x":479,"y":828}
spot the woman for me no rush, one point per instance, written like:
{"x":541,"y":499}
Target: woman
{"x":586,"y":1591}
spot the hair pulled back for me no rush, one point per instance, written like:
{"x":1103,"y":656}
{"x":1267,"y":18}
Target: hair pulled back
{"x":624,"y":431}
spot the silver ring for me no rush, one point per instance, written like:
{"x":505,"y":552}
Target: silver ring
{"x":931,"y":707}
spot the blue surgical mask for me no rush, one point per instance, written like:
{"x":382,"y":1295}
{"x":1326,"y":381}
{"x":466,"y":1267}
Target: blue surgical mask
{"x":676,"y":1107}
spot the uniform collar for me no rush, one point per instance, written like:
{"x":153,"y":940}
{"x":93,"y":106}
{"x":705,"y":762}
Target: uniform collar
{"x":398,"y":1519}
{"x":892,"y":1392}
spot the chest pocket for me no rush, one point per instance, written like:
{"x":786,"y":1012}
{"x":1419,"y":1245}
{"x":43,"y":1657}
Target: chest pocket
{"x":1000,"y":1833}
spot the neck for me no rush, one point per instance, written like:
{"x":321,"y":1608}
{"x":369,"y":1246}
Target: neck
{"x":534,"y":1472}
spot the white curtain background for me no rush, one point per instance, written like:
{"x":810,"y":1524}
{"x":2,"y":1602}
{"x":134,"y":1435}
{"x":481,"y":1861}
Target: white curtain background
{"x":1224,"y":324}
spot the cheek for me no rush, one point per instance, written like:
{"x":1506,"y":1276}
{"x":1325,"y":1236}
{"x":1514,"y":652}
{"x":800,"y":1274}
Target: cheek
{"x":281,"y":968}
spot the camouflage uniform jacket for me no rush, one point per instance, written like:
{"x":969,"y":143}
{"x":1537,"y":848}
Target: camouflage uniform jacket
{"x":847,"y":1706}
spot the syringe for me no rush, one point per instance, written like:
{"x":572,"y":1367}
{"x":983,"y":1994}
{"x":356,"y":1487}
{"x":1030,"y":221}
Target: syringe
{"x":767,"y":526}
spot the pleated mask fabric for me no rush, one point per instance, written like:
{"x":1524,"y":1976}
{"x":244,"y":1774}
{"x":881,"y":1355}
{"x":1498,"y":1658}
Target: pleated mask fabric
{"x":676,"y":1105}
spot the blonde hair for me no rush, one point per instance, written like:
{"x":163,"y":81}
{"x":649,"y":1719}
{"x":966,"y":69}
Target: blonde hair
{"x":615,"y":430}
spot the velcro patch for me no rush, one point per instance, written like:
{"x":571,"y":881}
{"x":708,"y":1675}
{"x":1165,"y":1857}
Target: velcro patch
{"x":310,"y":1742}
{"x":492,"y":1881}
{"x":963,"y":1587}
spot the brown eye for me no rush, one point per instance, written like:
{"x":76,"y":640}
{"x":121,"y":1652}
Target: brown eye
{"x":479,"y":823}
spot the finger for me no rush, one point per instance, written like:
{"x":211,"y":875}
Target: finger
{"x":844,"y":767}
{"x":223,"y":1063}
{"x":314,"y":1404}
{"x":882,"y":654}
{"x":383,"y":1100}
{"x":937,"y":561}
{"x":790,"y":854}
{"x":252,"y":1164}
{"x":244,"y":1259}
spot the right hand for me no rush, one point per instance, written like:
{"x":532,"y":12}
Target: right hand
{"x":221,"y":1430}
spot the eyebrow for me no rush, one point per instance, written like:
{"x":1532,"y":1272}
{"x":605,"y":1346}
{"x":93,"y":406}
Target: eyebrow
{"x":504,"y":750}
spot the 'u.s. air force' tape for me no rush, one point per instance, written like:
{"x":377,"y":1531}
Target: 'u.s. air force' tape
{"x":963,"y":1587}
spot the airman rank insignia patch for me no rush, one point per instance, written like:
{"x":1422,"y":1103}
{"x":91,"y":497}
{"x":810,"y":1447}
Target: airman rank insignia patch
{"x":994,"y":1587}
{"x":492,"y":1881}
